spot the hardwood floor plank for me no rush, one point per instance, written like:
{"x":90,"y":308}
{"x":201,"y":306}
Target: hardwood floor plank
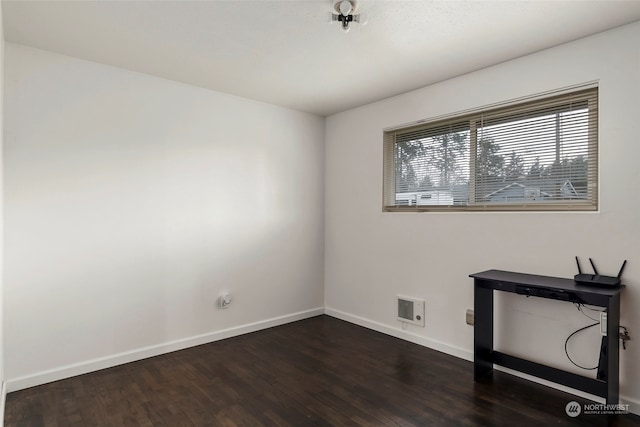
{"x":316,"y":372}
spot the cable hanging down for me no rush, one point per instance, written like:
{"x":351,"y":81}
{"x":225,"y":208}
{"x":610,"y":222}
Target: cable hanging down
{"x":566,"y":351}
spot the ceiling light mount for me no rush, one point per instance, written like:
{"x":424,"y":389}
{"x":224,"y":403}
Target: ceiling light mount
{"x":346,"y":13}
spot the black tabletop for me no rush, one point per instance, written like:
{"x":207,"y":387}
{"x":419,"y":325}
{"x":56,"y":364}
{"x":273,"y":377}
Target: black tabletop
{"x":548,"y":282}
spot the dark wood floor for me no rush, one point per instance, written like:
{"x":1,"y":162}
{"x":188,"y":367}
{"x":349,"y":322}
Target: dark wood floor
{"x":316,"y":372}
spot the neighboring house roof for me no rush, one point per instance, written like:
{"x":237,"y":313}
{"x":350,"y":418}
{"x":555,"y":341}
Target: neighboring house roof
{"x":513,"y":184}
{"x":568,"y":190}
{"x":488,"y":196}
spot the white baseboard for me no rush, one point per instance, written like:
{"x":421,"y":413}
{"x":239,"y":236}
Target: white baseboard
{"x":634,"y":404}
{"x":3,"y":399}
{"x":398,"y":332}
{"x":72,"y":370}
{"x":402,"y":334}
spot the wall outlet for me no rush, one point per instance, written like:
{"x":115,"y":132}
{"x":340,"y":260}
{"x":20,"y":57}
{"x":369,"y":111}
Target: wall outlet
{"x":225,"y":300}
{"x":471,"y":318}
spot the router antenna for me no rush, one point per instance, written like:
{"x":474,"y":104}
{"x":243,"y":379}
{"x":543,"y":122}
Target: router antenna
{"x":622,"y":268}
{"x":594,"y":266}
{"x":579,"y":269}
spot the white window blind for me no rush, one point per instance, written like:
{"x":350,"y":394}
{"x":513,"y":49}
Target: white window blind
{"x":535,"y":155}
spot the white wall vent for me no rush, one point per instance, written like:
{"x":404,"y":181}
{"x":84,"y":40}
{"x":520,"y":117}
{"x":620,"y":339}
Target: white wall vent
{"x":410,"y":310}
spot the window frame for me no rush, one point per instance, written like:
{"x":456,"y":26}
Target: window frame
{"x":585,"y":94}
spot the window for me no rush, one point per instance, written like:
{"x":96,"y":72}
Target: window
{"x":535,"y":155}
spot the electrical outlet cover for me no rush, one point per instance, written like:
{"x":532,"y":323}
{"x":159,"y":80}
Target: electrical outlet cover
{"x":470,"y":317}
{"x":225,"y":300}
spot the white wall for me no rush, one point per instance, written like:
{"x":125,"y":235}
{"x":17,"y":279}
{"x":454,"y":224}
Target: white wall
{"x":133,"y":201}
{"x":371,"y":256}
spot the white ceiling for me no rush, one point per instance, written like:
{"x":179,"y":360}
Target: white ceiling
{"x":286,"y":53}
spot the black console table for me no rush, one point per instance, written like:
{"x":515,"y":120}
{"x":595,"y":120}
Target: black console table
{"x":484,"y":356}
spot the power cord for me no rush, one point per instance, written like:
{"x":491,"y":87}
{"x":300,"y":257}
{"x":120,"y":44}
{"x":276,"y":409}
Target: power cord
{"x":566,"y":351}
{"x":624,"y":336}
{"x":580,"y":308}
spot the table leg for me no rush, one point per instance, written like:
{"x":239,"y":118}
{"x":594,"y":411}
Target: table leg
{"x":613,"y":349}
{"x":483,"y":330}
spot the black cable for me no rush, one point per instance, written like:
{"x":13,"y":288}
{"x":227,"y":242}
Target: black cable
{"x":592,"y":309}
{"x":567,"y":342}
{"x":581,"y":306}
